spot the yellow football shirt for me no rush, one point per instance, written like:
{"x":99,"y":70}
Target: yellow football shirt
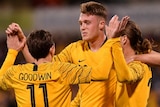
{"x":43,"y":87}
{"x":48,"y":84}
{"x":97,"y":93}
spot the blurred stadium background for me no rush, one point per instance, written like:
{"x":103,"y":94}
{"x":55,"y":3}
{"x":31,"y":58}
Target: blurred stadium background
{"x":60,"y":17}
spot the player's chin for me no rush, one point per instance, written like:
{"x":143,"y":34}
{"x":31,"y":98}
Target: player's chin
{"x":85,"y":38}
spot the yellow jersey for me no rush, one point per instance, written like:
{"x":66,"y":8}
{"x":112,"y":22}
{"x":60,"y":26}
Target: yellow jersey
{"x":45,"y":85}
{"x":48,"y":84}
{"x":96,"y":93}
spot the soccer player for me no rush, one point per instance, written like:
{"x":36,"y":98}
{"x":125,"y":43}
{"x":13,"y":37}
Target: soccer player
{"x":134,"y":78}
{"x":46,"y":83}
{"x":92,"y":21}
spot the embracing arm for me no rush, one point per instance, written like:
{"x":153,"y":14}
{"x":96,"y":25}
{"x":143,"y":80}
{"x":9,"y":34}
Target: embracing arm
{"x":152,"y":58}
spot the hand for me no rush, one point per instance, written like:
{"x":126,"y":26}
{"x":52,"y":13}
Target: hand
{"x":13,"y":42}
{"x":15,"y":30}
{"x":116,"y":26}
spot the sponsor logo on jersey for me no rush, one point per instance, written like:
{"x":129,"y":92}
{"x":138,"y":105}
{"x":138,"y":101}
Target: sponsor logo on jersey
{"x":81,"y":60}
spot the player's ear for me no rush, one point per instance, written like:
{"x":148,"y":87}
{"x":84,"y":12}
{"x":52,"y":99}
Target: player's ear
{"x":124,"y":39}
{"x":52,"y":50}
{"x":102,"y":24}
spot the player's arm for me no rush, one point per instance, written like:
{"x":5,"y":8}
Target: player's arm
{"x":28,"y":57}
{"x":14,"y":46}
{"x":152,"y":58}
{"x":126,"y":72}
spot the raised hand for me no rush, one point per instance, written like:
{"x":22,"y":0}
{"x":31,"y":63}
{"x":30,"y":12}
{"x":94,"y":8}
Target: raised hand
{"x":15,"y":38}
{"x":15,"y":30}
{"x":13,"y":42}
{"x":115,"y":26}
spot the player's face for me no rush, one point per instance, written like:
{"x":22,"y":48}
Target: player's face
{"x":89,"y":26}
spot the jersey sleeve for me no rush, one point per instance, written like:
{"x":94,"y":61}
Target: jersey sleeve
{"x":9,"y":60}
{"x":6,"y":79}
{"x":126,"y":72}
{"x":72,"y":74}
{"x":64,"y":55}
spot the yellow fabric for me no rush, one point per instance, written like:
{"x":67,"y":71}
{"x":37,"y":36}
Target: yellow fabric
{"x":134,"y":79}
{"x":55,"y":80}
{"x":52,"y":78}
{"x":9,"y":61}
{"x":97,"y":93}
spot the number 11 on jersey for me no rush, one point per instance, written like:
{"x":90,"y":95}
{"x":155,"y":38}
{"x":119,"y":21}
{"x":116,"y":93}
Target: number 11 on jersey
{"x":32,"y":94}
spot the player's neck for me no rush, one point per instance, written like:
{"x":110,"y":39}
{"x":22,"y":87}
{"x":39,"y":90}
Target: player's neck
{"x":97,"y":44}
{"x":128,"y":52}
{"x":43,"y":60}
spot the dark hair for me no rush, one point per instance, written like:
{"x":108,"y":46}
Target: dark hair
{"x":94,"y":8}
{"x":39,"y":43}
{"x":139,"y":44}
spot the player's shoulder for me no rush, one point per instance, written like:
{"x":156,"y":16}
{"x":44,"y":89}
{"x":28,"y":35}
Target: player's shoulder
{"x":77,"y":42}
{"x":21,"y":66}
{"x":139,"y":64}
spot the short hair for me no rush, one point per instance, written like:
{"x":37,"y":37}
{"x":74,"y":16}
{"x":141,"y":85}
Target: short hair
{"x":94,"y":8}
{"x":39,"y":43}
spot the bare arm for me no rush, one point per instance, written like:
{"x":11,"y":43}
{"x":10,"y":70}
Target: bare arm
{"x":153,"y":58}
{"x":28,"y":57}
